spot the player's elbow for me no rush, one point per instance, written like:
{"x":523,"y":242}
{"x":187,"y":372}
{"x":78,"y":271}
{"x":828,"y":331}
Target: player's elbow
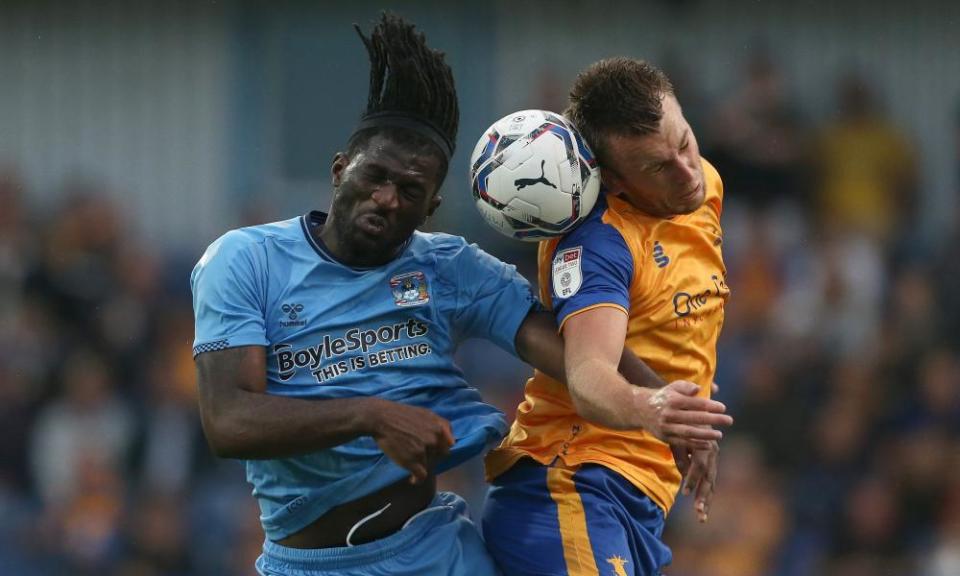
{"x":581,"y":405}
{"x":587,"y":409}
{"x":223,"y":447}
{"x":218,"y":440}
{"x":225,"y":435}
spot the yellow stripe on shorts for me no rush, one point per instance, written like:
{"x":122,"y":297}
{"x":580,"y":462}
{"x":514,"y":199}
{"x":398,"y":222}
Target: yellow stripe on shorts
{"x":577,"y":551}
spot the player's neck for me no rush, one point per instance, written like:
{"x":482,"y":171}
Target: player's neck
{"x":641,"y":207}
{"x":349,"y":253}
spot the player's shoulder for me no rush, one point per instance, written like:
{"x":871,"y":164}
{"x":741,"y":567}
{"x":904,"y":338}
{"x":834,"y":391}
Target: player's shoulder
{"x":451,"y":254}
{"x":713,"y":195}
{"x":712,"y":180}
{"x":598,"y":231}
{"x":249,"y":239}
{"x":438,"y":245}
{"x":289,"y":229}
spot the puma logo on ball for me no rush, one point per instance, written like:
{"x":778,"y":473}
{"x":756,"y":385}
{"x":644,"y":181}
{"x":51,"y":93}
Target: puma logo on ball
{"x":522,"y":183}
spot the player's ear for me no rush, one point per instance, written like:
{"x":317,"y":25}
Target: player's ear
{"x":610,"y":179}
{"x":434,"y":204}
{"x":336,"y":169}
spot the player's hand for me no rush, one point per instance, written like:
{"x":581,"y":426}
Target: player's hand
{"x":699,"y":469}
{"x":413,"y":437}
{"x":677,"y":416}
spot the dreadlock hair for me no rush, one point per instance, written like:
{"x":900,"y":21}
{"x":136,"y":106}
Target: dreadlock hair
{"x":617,"y":96}
{"x":412,"y":98}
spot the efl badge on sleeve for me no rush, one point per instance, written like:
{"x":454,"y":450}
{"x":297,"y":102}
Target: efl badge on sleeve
{"x":566,"y":272}
{"x":409,"y":289}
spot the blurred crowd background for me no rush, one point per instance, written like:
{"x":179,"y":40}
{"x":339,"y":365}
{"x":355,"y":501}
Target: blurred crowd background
{"x":132,"y":134}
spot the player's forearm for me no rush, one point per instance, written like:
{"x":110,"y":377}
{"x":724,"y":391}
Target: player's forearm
{"x":603,"y":397}
{"x":636,"y":371}
{"x":259,"y":426}
{"x":539,"y":345}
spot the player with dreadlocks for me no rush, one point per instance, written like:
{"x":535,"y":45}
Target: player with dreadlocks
{"x":324,"y":345}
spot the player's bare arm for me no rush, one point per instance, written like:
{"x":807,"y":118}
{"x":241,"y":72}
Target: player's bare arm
{"x":539,"y":345}
{"x":241,"y":420}
{"x":675,"y":414}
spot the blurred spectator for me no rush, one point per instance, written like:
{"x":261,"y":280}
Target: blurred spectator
{"x":746,"y":525}
{"x":758,"y":274}
{"x":18,"y":403}
{"x":89,"y":423}
{"x":83,"y":531}
{"x":687,"y":88}
{"x":947,"y":275}
{"x":170,"y":445}
{"x":157,"y":534}
{"x":757,"y":139}
{"x":16,"y":243}
{"x":933,"y":401}
{"x":870,"y":540}
{"x":833,"y":295}
{"x":944,"y":559}
{"x":917,"y":463}
{"x":771,"y":409}
{"x":866,"y":168}
{"x":75,"y":271}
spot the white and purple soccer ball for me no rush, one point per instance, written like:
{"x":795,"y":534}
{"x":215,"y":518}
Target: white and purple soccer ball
{"x":533,"y":176}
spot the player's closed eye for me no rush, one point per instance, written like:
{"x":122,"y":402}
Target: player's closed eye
{"x":412,"y":193}
{"x":374,"y":175}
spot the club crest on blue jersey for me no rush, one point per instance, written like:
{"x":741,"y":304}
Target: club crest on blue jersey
{"x":409,"y":289}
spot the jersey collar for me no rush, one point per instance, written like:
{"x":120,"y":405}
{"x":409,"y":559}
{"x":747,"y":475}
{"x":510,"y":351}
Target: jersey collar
{"x":314,"y":220}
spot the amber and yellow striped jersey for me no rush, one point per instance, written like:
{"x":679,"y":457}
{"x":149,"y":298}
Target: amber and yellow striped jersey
{"x":668,"y":276}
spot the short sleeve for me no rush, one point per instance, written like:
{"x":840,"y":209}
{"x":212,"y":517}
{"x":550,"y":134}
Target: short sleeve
{"x":591,"y":267}
{"x":228,"y":302}
{"x":492,"y":297}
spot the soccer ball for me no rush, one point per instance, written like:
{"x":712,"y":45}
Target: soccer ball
{"x":533,"y":176}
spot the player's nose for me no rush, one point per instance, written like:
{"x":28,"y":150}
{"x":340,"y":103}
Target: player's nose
{"x":386,"y":195}
{"x":686,"y":175}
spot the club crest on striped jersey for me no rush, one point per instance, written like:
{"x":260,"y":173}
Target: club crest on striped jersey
{"x":567,"y":274}
{"x":409,"y":289}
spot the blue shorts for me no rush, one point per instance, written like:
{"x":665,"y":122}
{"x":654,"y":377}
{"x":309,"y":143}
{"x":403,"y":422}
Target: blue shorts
{"x":440,"y":541}
{"x":584,"y":520}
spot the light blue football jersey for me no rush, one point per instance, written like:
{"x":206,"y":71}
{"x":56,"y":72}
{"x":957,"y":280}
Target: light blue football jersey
{"x":332,"y":331}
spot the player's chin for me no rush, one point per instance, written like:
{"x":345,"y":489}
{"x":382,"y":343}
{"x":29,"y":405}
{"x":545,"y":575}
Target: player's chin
{"x":691,"y":203}
{"x":385,"y":243}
